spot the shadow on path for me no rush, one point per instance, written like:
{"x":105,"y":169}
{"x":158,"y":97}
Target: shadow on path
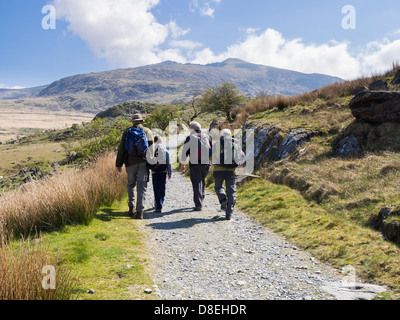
{"x":181,"y":224}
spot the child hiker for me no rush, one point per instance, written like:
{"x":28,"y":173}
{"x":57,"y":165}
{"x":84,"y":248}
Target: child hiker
{"x":160,"y":170}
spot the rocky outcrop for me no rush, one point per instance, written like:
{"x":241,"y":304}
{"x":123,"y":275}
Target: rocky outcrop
{"x":378,"y":85}
{"x":396,"y":79}
{"x":376,"y":106}
{"x":347,"y":146}
{"x":272,"y":144}
{"x":388,"y":223}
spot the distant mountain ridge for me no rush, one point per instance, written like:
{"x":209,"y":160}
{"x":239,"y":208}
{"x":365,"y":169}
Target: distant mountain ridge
{"x":166,"y":82}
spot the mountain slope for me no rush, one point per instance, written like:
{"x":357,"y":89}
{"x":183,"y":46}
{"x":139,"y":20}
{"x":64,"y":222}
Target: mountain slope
{"x":169,"y":82}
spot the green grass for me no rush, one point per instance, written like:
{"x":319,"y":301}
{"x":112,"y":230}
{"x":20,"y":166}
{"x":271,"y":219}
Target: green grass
{"x":108,"y":256}
{"x":330,"y":237}
{"x":13,"y":157}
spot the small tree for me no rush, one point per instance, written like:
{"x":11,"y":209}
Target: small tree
{"x":196,"y":108}
{"x":161,"y":117}
{"x":224,"y":98}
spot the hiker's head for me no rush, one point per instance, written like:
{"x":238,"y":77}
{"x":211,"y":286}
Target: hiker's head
{"x":157,"y":140}
{"x":195,"y":126}
{"x":137,"y":118}
{"x":226,"y":133}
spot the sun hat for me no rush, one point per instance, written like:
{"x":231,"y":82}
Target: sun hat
{"x":137,"y":117}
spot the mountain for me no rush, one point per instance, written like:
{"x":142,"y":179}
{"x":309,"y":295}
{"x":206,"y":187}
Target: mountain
{"x":6,"y":94}
{"x":168,"y":82}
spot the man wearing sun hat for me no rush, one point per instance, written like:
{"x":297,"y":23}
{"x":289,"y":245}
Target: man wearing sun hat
{"x":136,"y":165}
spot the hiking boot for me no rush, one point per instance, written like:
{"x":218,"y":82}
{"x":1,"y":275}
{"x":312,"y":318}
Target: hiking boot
{"x":139,"y":215}
{"x":158,"y":210}
{"x":198,"y":208}
{"x":224,"y":205}
{"x":228,"y":217}
{"x":130,"y":212}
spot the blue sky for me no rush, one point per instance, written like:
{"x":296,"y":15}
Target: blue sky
{"x":98,"y":35}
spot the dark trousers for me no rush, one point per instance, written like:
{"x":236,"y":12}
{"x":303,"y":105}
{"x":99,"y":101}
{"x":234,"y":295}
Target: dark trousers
{"x":159,"y":182}
{"x":198,"y":175}
{"x":227,"y":195}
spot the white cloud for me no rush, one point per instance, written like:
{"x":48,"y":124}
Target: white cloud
{"x":333,"y":58}
{"x":271,"y":48}
{"x":380,"y":55}
{"x":127,"y":34}
{"x":124,"y":32}
{"x":204,"y":7}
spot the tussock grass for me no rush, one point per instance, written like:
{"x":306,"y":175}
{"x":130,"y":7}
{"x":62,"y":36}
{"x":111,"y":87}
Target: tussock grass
{"x":71,"y":197}
{"x":21,"y":276}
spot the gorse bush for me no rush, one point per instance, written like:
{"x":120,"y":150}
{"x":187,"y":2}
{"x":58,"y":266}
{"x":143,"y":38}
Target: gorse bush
{"x":71,"y":197}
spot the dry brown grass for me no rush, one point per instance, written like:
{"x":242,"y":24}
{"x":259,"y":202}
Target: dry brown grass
{"x":71,"y":197}
{"x":21,"y":276}
{"x":328,"y":93}
{"x":20,"y":121}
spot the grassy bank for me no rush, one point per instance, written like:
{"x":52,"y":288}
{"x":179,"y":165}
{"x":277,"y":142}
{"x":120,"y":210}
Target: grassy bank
{"x":85,"y":234}
{"x":331,"y":238}
{"x":108,"y":257}
{"x":71,"y":197}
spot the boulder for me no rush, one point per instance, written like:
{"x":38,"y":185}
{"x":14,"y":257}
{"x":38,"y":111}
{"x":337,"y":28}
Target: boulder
{"x":378,"y":85}
{"x":396,"y":79}
{"x":347,"y":146}
{"x":390,"y":228}
{"x":359,"y":90}
{"x":376,"y":106}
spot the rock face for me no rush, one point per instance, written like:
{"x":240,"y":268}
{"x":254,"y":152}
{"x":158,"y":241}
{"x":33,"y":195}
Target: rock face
{"x":376,"y":106}
{"x":347,"y":146}
{"x":387,"y":223}
{"x":378,"y":85}
{"x":271,"y":144}
{"x":396,"y":79}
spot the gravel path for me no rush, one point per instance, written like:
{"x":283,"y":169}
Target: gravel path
{"x":199,"y":257}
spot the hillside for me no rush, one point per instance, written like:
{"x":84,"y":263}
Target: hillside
{"x":166,"y":82}
{"x":342,"y":207}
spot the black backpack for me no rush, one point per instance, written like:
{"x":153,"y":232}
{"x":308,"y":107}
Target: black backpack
{"x":224,"y":156}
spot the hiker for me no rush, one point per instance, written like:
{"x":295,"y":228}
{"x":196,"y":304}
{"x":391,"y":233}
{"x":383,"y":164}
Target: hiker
{"x":198,"y":147}
{"x":132,"y":152}
{"x":229,"y":158}
{"x":160,"y":167}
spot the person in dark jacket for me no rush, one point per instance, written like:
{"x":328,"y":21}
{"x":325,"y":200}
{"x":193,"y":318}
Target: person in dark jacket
{"x":136,"y":169}
{"x":198,"y":148}
{"x":161,"y":169}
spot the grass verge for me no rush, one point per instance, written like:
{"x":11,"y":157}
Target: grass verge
{"x":107,"y":256}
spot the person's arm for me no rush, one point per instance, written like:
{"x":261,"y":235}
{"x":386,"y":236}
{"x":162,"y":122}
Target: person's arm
{"x":185,"y":153}
{"x":169,"y":167}
{"x":119,"y":163}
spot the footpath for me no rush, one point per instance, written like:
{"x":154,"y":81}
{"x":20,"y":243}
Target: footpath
{"x":201,"y":256}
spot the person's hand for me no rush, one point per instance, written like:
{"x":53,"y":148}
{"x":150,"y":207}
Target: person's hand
{"x":119,"y":169}
{"x":183,"y":168}
{"x":169,"y":177}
